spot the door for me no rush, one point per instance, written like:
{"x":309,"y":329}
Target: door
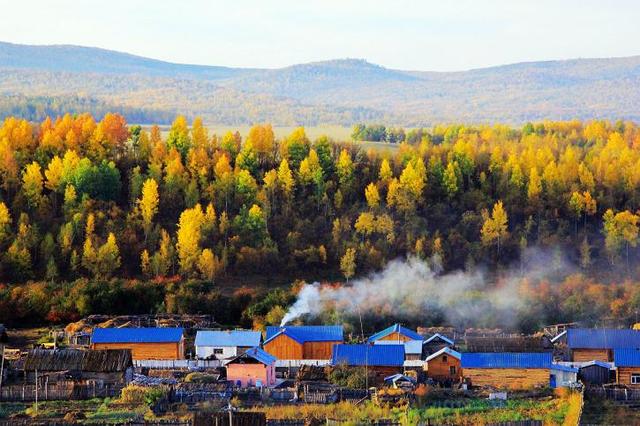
{"x":552,"y":381}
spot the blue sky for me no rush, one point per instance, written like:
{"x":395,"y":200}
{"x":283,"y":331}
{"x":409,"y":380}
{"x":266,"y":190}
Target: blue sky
{"x":421,"y":35}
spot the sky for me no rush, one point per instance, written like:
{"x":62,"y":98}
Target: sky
{"x":413,"y":35}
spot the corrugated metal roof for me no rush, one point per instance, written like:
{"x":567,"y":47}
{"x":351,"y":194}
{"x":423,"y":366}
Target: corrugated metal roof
{"x":308,"y":333}
{"x":506,"y":360}
{"x":372,"y":355}
{"x":244,"y":338}
{"x":412,"y":347}
{"x":447,"y":351}
{"x":396,"y":328}
{"x":602,"y":338}
{"x":136,"y":335}
{"x":626,"y":357}
{"x":260,"y":355}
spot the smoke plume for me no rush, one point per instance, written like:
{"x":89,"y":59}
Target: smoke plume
{"x":412,"y":289}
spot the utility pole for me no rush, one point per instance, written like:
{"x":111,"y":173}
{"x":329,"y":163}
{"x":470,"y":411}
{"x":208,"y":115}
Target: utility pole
{"x":1,"y":369}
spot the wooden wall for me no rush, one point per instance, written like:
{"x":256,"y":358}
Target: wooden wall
{"x":318,"y":350}
{"x":624,"y":376}
{"x":595,"y":375}
{"x":440,"y":369}
{"x":284,"y":347}
{"x":147,"y":350}
{"x":507,"y":378}
{"x":396,"y":337}
{"x":582,"y":355}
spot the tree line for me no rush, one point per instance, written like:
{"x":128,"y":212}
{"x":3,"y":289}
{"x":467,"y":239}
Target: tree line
{"x":85,"y":201}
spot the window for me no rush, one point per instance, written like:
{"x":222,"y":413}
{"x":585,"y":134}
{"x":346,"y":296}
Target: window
{"x":444,"y":358}
{"x":452,"y":370}
{"x":218,"y":351}
{"x":635,"y":378}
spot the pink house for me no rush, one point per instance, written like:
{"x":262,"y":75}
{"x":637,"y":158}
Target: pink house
{"x":255,"y":367}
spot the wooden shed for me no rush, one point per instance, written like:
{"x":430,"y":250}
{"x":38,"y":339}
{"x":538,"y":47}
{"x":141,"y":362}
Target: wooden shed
{"x":503,"y":370}
{"x":106,"y":366}
{"x":303,"y":342}
{"x":627,"y":362}
{"x":444,"y":366}
{"x":586,"y":344}
{"x":395,"y":333}
{"x":381,"y":360}
{"x":144,"y":343}
{"x":254,"y":367}
{"x":595,"y":372}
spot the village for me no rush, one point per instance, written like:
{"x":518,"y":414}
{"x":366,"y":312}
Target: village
{"x":187,"y":363}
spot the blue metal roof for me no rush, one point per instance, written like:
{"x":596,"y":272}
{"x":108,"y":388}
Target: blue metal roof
{"x":372,"y":355}
{"x":396,"y":328}
{"x":257,"y":354}
{"x":413,"y":347}
{"x":506,"y":360}
{"x":136,"y":335}
{"x":244,"y":338}
{"x":602,"y":338}
{"x":626,"y":357}
{"x":307,"y":333}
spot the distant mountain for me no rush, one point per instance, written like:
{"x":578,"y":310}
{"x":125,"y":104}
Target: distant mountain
{"x":342,"y":91}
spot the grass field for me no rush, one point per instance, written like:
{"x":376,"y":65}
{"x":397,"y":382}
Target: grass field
{"x":337,"y":133}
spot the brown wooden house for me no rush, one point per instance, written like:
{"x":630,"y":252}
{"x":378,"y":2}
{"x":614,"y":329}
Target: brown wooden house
{"x":587,"y":344}
{"x":302,"y":342}
{"x":144,"y":343}
{"x":627,"y":362}
{"x":395,"y":333}
{"x":444,"y":366}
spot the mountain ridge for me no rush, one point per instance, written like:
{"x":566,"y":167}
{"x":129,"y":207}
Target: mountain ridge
{"x":335,"y":91}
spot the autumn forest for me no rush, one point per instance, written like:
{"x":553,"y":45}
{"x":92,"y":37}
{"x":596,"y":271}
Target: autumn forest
{"x":98,"y":216}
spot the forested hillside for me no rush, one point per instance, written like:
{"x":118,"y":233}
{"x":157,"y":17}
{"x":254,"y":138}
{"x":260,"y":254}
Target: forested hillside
{"x":344,"y":91}
{"x":98,"y":216}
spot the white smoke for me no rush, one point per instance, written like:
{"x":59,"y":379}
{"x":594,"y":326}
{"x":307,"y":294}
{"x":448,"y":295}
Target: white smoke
{"x":412,"y":289}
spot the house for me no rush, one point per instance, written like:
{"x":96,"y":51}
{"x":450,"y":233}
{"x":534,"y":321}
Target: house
{"x":395,"y":333}
{"x":225,"y":344}
{"x":586,"y":344}
{"x":303,"y":342}
{"x":253,"y":367}
{"x":107,"y":367}
{"x":627,"y":362}
{"x":380,"y":360}
{"x":444,"y":366}
{"x":412,"y":348}
{"x":595,"y":372}
{"x":562,"y":376}
{"x":436,"y":342}
{"x":144,"y":343}
{"x":509,"y":370}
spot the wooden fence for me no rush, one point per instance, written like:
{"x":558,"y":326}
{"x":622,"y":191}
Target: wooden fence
{"x":58,"y":391}
{"x":614,"y":394}
{"x":228,"y":419}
